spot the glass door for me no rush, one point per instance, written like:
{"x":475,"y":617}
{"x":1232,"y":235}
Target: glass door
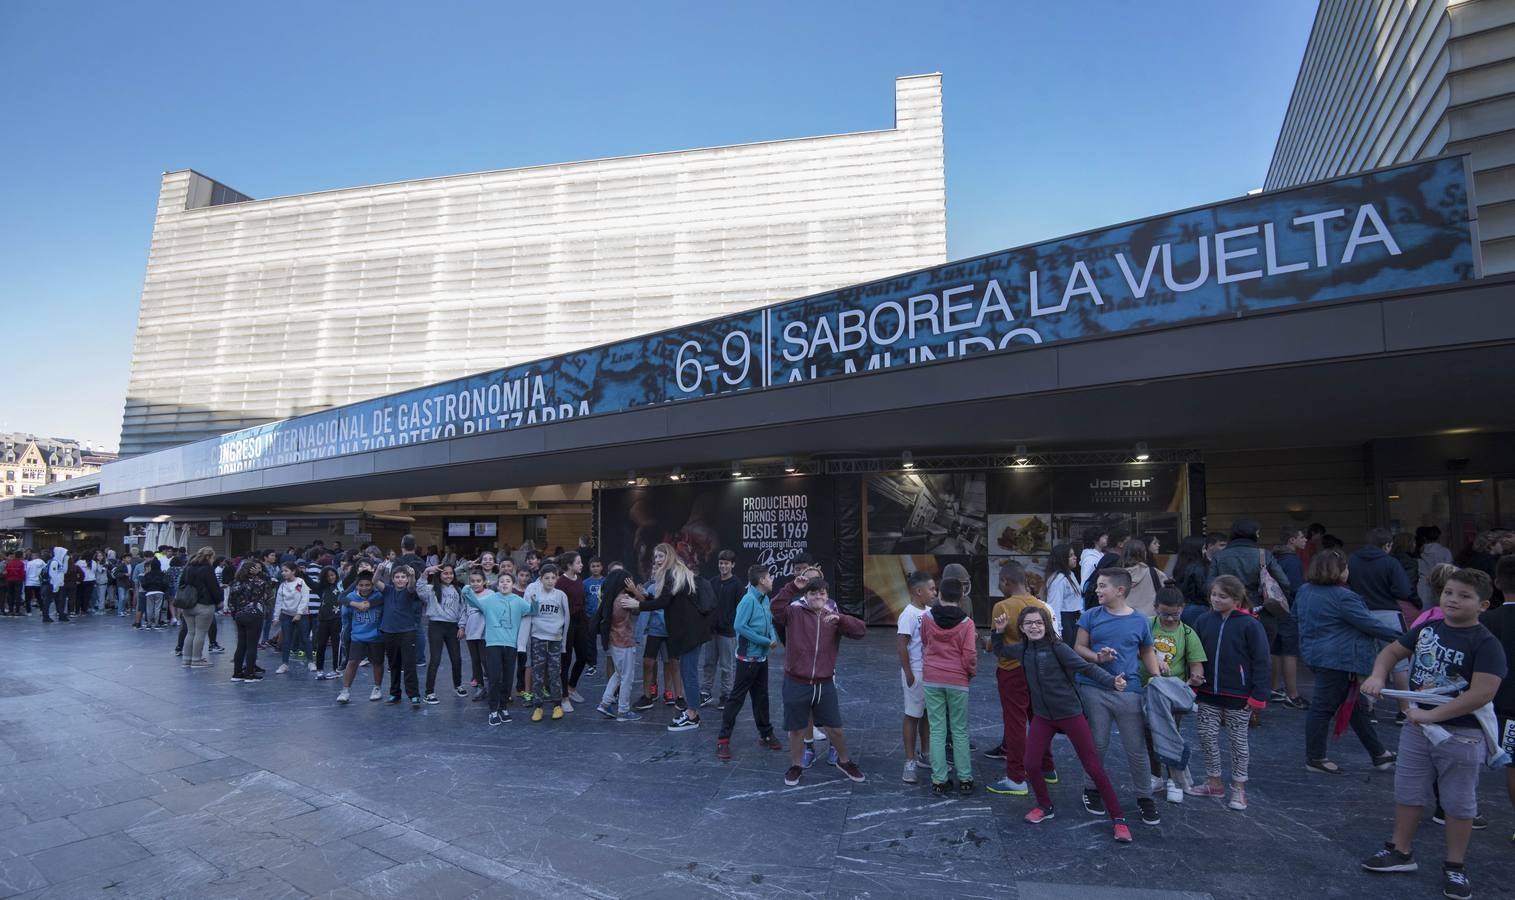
{"x":1414,"y":503}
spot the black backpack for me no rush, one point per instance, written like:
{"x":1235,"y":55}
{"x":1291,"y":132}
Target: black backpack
{"x":704,"y":595}
{"x":1090,"y":592}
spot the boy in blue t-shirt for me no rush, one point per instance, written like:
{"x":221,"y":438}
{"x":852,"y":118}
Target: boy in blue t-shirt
{"x":1117,"y":638}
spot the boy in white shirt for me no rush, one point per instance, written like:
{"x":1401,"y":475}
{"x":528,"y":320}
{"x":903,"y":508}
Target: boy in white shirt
{"x":922,"y":589}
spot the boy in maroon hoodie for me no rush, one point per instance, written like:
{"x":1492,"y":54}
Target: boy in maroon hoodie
{"x":814,"y":630}
{"x":950,"y":660}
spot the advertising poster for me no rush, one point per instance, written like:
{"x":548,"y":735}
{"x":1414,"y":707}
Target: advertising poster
{"x":767,"y":521}
{"x":970,"y":524}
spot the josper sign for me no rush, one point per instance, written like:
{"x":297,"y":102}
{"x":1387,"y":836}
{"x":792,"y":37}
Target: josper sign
{"x":1392,"y":229}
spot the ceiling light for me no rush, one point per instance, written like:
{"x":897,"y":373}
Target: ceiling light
{"x":676,"y":474}
{"x":789,"y":465}
{"x":736,"y":470}
{"x":1141,"y":452}
{"x":1021,"y":456}
{"x":907,"y":459}
{"x":631,"y":478}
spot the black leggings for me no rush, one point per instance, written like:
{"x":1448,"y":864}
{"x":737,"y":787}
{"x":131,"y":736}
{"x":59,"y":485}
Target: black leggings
{"x":439,"y":635}
{"x":328,"y":633}
{"x":245,"y":660}
{"x":476,"y":661}
{"x":501,"y":662}
{"x":579,"y":646}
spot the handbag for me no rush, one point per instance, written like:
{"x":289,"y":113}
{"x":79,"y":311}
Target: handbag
{"x":187,"y":597}
{"x":1273,"y":597}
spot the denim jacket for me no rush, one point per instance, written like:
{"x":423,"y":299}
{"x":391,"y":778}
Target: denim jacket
{"x":1336,"y":631}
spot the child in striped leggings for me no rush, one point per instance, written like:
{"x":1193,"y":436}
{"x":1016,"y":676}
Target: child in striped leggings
{"x":1237,"y":680}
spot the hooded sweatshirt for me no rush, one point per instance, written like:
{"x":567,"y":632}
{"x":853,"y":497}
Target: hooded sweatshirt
{"x":549,"y":610}
{"x":57,"y":570}
{"x":444,"y":603}
{"x":502,"y":614}
{"x":753,"y":624}
{"x":293,"y":597}
{"x":1143,"y":596}
{"x":947,"y":639}
{"x":1378,"y":579}
{"x":365,"y":623}
{"x":811,"y":643}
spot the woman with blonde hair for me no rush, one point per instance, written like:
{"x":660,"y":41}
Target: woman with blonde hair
{"x":198,"y":616}
{"x":675,"y":590}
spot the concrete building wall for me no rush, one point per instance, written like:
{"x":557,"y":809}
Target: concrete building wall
{"x":255,"y":310}
{"x":1387,"y":81}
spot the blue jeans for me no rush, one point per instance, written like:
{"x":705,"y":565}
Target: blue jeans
{"x":689,"y":671}
{"x":293,"y":636}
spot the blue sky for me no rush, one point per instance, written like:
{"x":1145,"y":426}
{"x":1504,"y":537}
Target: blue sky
{"x":1059,"y":117}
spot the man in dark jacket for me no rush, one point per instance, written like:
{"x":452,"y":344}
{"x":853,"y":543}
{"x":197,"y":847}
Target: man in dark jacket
{"x":1245,"y":560}
{"x":1377,"y":577}
{"x":1380,"y":581}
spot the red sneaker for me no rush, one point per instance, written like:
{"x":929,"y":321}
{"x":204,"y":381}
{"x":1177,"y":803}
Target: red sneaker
{"x":1038,"y":815}
{"x":771,"y":742}
{"x":723,"y":749}
{"x":1122,"y":833}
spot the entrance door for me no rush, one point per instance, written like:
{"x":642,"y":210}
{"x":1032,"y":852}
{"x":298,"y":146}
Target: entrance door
{"x":239,"y":542}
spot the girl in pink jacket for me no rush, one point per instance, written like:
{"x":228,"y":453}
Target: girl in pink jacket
{"x":948,"y":664}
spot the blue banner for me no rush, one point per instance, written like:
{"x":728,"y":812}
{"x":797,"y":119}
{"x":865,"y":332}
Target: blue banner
{"x":1389,"y":230}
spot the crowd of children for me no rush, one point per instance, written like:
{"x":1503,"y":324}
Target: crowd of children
{"x":532,"y":631}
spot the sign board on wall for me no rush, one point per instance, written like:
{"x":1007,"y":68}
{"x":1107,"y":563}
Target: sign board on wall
{"x":1392,"y":229}
{"x":767,"y":521}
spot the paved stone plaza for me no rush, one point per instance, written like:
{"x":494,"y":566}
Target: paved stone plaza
{"x":126,"y":776}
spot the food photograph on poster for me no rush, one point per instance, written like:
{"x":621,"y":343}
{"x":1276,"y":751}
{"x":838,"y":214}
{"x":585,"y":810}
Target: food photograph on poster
{"x":1035,"y":568}
{"x":1020,"y":533}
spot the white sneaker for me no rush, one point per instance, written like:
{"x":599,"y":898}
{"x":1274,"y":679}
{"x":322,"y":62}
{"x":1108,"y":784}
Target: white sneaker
{"x":363,"y":663}
{"x":575,"y":696}
{"x":330,"y":675}
{"x":816,"y":734}
{"x":1175,"y":793}
{"x":282,"y":670}
{"x":1157,"y":784}
{"x":909,"y":776}
{"x":376,"y":694}
{"x":344,"y":696}
{"x":310,"y":666}
{"x":568,"y":704}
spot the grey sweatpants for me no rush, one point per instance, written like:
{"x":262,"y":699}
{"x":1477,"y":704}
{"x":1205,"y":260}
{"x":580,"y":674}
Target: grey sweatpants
{"x":1123,"y":709}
